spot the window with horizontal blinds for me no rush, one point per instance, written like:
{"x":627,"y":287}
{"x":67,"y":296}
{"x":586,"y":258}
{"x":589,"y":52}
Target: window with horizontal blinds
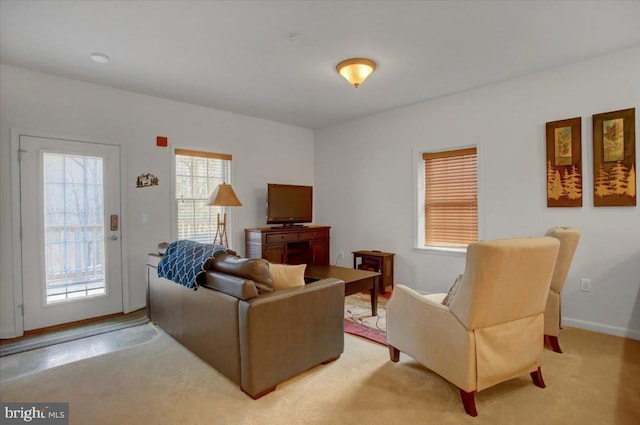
{"x":197,"y":174}
{"x":451,"y":198}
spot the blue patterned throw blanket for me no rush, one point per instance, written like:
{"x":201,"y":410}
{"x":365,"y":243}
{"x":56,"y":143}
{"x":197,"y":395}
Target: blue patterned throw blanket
{"x":185,"y":261}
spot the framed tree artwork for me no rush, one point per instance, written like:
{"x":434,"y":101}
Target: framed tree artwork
{"x":614,"y":158}
{"x":564,"y":163}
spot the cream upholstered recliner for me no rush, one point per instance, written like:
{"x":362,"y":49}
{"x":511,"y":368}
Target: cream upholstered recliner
{"x":492,"y":329}
{"x":568,"y":237}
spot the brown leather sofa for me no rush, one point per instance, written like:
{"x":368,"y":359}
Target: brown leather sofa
{"x":255,"y":336}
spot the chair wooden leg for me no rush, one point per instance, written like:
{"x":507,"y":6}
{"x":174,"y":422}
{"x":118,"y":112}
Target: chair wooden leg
{"x":536,"y":376}
{"x":553,"y":342}
{"x":469,"y":402}
{"x":394,"y":353}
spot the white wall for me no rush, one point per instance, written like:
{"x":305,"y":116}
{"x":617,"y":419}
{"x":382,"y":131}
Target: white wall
{"x":364,"y":182}
{"x":263,"y":151}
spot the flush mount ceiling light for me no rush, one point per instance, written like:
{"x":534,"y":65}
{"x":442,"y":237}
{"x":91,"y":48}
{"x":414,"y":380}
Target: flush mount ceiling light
{"x":99,"y":57}
{"x":356,"y":70}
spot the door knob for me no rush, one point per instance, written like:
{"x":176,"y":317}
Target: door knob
{"x":113,"y":237}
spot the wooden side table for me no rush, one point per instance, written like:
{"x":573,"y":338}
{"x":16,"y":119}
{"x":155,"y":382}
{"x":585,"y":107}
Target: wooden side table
{"x":376,"y":261}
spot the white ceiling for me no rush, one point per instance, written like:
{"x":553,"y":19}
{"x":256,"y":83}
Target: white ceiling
{"x":237,"y":56}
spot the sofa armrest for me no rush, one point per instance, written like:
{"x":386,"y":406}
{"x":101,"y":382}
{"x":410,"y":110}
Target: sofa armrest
{"x":235,"y":286}
{"x":286,"y":332}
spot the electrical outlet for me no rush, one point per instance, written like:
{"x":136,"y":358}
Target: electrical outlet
{"x":585,"y":285}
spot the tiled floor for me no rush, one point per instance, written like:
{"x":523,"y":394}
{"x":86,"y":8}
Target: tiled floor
{"x":33,"y":361}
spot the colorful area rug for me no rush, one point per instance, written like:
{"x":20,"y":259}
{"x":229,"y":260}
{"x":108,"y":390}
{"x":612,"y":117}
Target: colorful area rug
{"x":359,"y":321}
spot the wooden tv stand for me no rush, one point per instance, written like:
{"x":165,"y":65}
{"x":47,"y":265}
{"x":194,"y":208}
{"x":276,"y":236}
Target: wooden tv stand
{"x":289,"y":245}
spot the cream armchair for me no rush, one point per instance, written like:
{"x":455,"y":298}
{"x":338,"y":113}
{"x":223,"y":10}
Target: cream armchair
{"x":568,"y":237}
{"x":492,"y":329}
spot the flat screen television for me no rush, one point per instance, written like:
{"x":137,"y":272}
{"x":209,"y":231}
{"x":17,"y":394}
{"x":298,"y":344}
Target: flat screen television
{"x":289,"y":204}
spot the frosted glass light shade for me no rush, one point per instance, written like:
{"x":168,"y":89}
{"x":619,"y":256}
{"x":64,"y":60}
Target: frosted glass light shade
{"x":356,"y":70}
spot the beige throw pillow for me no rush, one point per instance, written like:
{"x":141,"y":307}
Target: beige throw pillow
{"x":287,"y":276}
{"x":452,"y":292}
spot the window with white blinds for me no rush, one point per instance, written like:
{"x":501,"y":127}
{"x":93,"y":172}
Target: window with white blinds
{"x":451,"y":198}
{"x":197,"y":175}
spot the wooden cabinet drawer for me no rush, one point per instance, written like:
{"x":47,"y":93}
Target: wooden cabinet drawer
{"x":291,"y":245}
{"x":283,"y":237}
{"x":312,"y":235}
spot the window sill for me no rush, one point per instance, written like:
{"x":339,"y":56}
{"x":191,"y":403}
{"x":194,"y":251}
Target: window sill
{"x":455,"y":252}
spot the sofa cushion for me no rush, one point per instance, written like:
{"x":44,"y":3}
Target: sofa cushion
{"x":255,"y":269}
{"x":287,"y":276}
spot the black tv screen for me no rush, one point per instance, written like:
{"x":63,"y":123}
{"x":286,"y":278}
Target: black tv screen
{"x":289,"y":204}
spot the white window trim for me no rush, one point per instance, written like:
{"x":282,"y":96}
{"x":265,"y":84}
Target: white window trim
{"x":174,"y":212}
{"x":418,"y":199}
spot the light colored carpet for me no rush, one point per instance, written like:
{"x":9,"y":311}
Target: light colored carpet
{"x":596,"y":381}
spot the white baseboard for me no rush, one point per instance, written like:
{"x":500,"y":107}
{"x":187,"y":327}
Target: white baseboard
{"x":8,"y":333}
{"x":599,"y":327}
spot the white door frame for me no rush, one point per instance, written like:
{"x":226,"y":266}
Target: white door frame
{"x":16,"y":219}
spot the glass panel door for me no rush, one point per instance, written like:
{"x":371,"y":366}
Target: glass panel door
{"x":74,"y":226}
{"x":71,"y":249}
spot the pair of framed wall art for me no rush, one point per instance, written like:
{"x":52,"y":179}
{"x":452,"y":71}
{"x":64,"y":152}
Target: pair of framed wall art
{"x":614,"y":160}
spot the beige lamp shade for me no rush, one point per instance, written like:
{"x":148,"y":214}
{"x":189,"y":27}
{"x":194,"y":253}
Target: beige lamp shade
{"x":224,"y":196}
{"x":356,"y":70}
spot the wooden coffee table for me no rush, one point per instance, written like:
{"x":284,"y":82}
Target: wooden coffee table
{"x":354,"y":280}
